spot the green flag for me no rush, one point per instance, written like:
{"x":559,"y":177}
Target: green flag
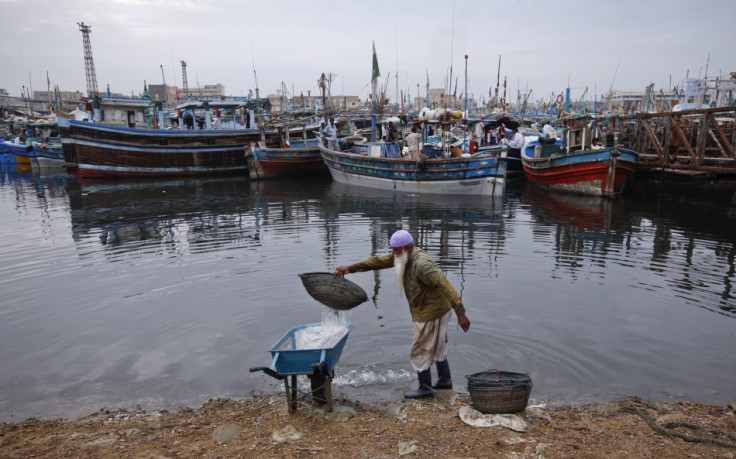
{"x":376,"y":72}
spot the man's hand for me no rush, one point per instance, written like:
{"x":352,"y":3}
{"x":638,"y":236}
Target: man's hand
{"x":342,"y":270}
{"x":464,"y":322}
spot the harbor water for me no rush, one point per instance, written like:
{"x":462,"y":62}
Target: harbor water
{"x":160,"y":294}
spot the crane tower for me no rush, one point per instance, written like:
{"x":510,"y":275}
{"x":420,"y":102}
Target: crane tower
{"x":185,"y":85}
{"x":89,"y":63}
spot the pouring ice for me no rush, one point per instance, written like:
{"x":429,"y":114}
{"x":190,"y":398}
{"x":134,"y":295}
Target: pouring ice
{"x":327,"y":334}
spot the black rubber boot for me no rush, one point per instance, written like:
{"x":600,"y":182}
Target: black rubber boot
{"x":444,"y":380}
{"x":425,"y":385}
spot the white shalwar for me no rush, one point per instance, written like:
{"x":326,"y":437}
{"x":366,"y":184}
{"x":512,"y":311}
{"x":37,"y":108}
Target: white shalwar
{"x":430,"y":342}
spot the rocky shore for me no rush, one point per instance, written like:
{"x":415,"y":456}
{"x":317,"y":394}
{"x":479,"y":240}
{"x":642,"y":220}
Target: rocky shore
{"x":439,"y":427}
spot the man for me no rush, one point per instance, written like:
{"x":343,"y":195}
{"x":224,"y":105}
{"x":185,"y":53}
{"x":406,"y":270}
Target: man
{"x":331,"y":134}
{"x":393,"y":134}
{"x":412,"y":143}
{"x":322,"y":134}
{"x":517,"y":140}
{"x":431,"y":298}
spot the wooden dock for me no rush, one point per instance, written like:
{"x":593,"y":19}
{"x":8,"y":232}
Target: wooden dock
{"x":692,"y":143}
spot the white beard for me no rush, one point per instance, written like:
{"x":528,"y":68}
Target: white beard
{"x":400,"y":267}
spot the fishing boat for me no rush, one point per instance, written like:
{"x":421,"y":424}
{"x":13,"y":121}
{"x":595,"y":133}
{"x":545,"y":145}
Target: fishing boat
{"x":591,"y":171}
{"x":22,"y":152}
{"x":47,"y":149}
{"x":443,"y":168}
{"x":97,"y":150}
{"x":294,"y":158}
{"x":381,"y":165}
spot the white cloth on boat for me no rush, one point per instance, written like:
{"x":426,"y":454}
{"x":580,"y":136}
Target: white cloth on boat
{"x":478,"y":131}
{"x":430,"y":342}
{"x":549,"y":131}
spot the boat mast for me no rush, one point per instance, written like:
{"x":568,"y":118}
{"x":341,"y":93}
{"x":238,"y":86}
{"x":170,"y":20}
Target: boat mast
{"x":426,"y":101}
{"x":48,"y":87}
{"x":375,"y":73}
{"x":163,"y":77}
{"x":504,"y":96}
{"x":323,"y":89}
{"x":467,"y":115}
{"x":401,"y":100}
{"x":498,"y":82}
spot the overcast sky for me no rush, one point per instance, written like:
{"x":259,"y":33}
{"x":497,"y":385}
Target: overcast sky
{"x":545,"y":45}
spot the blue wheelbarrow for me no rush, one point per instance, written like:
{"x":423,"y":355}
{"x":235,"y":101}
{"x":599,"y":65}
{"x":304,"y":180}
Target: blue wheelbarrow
{"x":318,"y":364}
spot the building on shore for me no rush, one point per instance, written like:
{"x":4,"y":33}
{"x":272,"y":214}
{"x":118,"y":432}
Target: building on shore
{"x":647,"y":100}
{"x":163,"y":93}
{"x":281,"y":102}
{"x":207,"y":90}
{"x":438,"y":98}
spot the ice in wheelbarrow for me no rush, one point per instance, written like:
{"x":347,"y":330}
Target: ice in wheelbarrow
{"x":333,"y":291}
{"x":322,"y":336}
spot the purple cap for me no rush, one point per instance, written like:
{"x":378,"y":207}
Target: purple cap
{"x":400,"y":239}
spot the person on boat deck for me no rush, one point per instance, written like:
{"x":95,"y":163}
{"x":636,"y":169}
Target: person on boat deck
{"x":331,"y":133}
{"x":322,"y":134}
{"x":596,"y":144}
{"x":393,"y":134}
{"x":501,"y":134}
{"x":412,"y":143}
{"x":431,"y":300}
{"x":517,"y":140}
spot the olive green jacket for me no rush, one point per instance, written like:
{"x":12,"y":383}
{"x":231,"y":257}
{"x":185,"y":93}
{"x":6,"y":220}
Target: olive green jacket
{"x":428,"y":291}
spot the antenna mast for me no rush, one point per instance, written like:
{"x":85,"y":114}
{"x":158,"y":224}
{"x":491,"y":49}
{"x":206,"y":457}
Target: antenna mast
{"x":89,"y":63}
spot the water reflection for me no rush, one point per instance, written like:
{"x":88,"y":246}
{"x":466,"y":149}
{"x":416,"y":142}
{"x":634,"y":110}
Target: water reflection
{"x":173,"y":213}
{"x":175,"y":216}
{"x":588,"y":232}
{"x":693,"y":241}
{"x":448,"y":224}
{"x":686,"y":240}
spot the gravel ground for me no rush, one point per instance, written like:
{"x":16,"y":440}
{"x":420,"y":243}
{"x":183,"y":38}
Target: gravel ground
{"x":263,"y":427}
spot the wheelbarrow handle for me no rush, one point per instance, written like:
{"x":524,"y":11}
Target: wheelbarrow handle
{"x":268,"y":371}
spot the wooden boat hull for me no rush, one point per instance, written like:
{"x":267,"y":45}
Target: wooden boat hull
{"x":299,"y":160}
{"x":514,"y":167}
{"x":593,"y":172}
{"x":48,"y":156}
{"x":96,"y":159}
{"x":483,"y":174}
{"x":21,"y":152}
{"x":94,"y":150}
{"x":43,"y":162}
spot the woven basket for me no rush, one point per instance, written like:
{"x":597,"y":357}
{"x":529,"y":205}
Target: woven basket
{"x":333,"y":291}
{"x":496,"y":391}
